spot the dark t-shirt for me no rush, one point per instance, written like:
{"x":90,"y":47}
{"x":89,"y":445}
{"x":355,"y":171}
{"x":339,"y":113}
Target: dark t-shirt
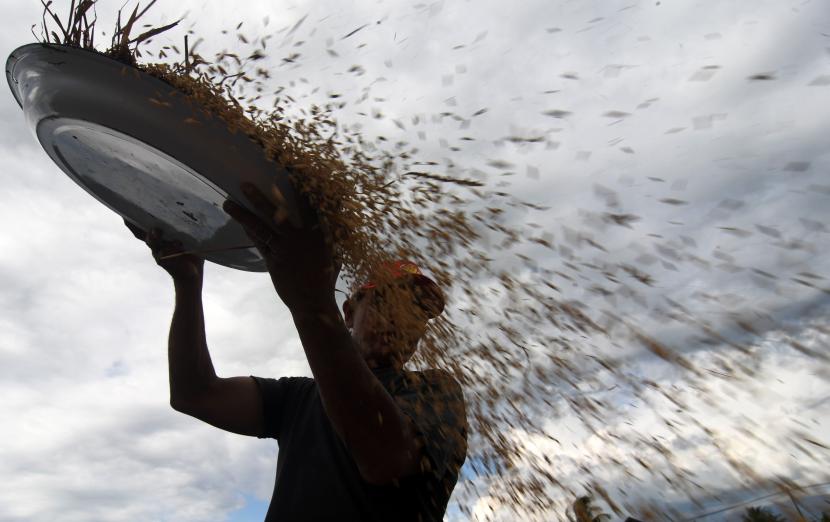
{"x":317,"y":479}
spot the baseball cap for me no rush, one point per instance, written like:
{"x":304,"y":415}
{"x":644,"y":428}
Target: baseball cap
{"x":403,"y":269}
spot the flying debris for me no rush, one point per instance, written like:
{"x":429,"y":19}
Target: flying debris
{"x":762,"y":76}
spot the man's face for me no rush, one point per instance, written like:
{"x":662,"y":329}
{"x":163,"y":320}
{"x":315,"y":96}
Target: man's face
{"x":387,"y":322}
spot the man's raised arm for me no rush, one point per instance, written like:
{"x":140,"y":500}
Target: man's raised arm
{"x":379,"y":435}
{"x":232,"y":404}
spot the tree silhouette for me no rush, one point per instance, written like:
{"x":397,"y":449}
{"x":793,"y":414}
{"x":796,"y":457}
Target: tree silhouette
{"x":758,"y":514}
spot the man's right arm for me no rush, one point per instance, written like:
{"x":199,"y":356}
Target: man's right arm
{"x":233,"y":404}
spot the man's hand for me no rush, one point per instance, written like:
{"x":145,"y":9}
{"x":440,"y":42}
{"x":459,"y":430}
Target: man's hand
{"x":299,"y":259}
{"x":182,"y":267}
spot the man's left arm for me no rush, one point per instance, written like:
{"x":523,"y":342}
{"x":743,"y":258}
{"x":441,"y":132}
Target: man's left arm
{"x":379,"y":436}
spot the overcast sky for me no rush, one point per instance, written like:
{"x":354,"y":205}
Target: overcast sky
{"x":642,"y":108}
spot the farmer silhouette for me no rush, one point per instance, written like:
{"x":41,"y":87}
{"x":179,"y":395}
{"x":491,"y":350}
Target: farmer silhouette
{"x":363,"y":439}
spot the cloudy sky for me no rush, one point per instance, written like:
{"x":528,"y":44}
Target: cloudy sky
{"x":706,"y":120}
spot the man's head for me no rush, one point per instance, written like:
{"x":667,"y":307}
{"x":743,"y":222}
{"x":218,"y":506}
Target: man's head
{"x":389,"y":315}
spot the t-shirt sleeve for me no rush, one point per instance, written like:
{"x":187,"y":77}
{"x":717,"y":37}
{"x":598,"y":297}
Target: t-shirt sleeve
{"x":438,"y":413}
{"x":277,"y":397}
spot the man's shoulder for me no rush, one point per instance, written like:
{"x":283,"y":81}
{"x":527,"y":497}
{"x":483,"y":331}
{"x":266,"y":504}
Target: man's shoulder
{"x":435,"y":392}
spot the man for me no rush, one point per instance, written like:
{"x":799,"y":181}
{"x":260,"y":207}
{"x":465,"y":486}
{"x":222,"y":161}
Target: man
{"x":363,"y":439}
